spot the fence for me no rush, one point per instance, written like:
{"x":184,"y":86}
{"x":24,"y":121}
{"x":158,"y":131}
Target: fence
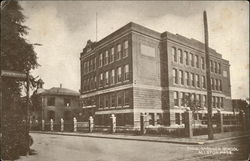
{"x":221,"y":123}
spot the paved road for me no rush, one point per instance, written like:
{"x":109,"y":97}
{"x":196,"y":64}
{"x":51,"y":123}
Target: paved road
{"x":72,"y":148}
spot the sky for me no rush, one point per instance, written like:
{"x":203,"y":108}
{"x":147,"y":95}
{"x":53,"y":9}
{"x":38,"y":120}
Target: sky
{"x":63,"y":28}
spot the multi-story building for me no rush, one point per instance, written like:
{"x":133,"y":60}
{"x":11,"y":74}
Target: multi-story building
{"x":137,"y":70}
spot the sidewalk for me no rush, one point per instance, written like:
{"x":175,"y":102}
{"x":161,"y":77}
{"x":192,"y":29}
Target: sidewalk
{"x":196,"y":140}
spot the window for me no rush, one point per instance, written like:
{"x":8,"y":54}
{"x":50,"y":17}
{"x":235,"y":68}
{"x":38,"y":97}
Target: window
{"x":219,"y":68}
{"x":119,"y":74}
{"x":126,"y":72}
{"x":187,"y":57}
{"x":202,"y":63}
{"x":180,"y":54}
{"x":212,"y":83}
{"x":84,"y":84}
{"x":218,"y":102}
{"x":106,"y":81}
{"x":87,"y":84}
{"x":100,"y":60}
{"x":192,"y":96}
{"x":187,"y":78}
{"x":112,"y":100}
{"x":181,"y":77}
{"x":197,"y":80}
{"x":126,"y":98}
{"x":220,"y":85}
{"x":94,"y":82}
{"x":213,"y":101}
{"x":125,"y":50}
{"x":112,"y":77}
{"x":174,"y":54}
{"x":94,"y":63}
{"x":215,"y":67}
{"x":203,"y":82}
{"x":182,"y":94}
{"x":118,"y":56}
{"x":198,"y":99}
{"x":176,"y":99}
{"x":192,"y":79}
{"x":87,"y":66}
{"x":51,"y":101}
{"x":101,"y":80}
{"x":106,"y":57}
{"x":119,"y":98}
{"x":175,"y":79}
{"x":112,"y":55}
{"x":191,"y":59}
{"x":216,"y":84}
{"x":51,"y":115}
{"x":101,"y":101}
{"x":211,"y":66}
{"x":67,"y":102}
{"x":106,"y":101}
{"x":197,"y":61}
{"x":204,"y":100}
{"x":222,"y":104}
{"x":90,"y":65}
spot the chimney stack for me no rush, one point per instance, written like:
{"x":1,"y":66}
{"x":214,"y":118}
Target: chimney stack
{"x":60,"y":85}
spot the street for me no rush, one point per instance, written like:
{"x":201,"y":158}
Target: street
{"x":73,"y":148}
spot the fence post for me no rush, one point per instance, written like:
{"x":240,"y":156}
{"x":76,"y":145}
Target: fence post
{"x":43,"y":125}
{"x":62,"y":124}
{"x":188,"y":123}
{"x":51,"y":125}
{"x":113,"y":123}
{"x":220,"y":121}
{"x":142,"y":123}
{"x":75,"y":124}
{"x":91,"y":124}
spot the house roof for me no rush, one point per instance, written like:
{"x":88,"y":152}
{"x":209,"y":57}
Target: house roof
{"x":57,"y":91}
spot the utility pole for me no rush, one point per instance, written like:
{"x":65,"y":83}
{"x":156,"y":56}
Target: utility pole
{"x":209,"y":90}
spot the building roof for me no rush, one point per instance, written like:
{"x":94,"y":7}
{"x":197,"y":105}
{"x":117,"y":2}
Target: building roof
{"x":157,"y":35}
{"x":57,"y":91}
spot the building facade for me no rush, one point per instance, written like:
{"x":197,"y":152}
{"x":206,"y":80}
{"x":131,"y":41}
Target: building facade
{"x":137,"y":70}
{"x":55,"y":103}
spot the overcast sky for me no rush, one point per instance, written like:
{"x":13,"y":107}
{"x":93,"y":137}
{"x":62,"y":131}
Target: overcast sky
{"x":64,"y":27}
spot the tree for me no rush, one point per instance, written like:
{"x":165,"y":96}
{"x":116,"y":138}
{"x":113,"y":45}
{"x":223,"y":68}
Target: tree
{"x":17,"y":55}
{"x":192,"y":103}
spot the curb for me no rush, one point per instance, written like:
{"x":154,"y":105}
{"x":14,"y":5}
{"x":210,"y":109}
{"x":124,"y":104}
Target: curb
{"x":141,"y":139}
{"x":122,"y":138}
{"x":225,"y":139}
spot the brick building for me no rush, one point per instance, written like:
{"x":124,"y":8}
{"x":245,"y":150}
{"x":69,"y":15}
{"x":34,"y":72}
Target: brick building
{"x":137,"y":70}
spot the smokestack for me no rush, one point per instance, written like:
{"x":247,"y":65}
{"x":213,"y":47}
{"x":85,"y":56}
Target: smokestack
{"x":60,"y":85}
